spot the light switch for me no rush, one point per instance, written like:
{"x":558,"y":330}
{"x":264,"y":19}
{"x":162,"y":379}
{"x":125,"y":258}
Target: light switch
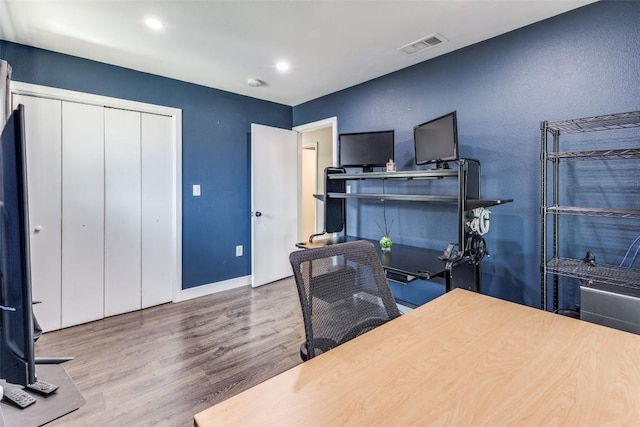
{"x":196,"y":189}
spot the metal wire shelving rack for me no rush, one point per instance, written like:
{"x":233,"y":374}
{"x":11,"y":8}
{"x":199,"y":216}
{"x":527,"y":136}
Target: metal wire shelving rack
{"x":552,"y":264}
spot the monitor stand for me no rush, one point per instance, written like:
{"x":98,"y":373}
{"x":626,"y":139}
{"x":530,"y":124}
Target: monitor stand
{"x":47,"y":408}
{"x":48,"y":360}
{"x":442,"y":164}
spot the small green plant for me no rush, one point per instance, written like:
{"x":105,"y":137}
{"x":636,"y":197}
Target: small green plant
{"x":385,"y":240}
{"x":387,"y":230}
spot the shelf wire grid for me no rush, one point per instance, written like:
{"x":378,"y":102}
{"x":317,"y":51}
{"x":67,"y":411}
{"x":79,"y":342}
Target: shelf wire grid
{"x":589,"y":124}
{"x":598,"y":212}
{"x":623,"y":153}
{"x":628,"y":278}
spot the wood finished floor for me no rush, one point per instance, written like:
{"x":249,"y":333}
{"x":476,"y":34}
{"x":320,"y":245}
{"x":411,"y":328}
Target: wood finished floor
{"x":162,"y":365}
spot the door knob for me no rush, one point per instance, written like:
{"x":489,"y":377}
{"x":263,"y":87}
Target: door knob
{"x":37,"y":229}
{"x":258,"y":213}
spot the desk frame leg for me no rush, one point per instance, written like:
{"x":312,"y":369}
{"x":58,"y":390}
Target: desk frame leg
{"x":448,"y":277}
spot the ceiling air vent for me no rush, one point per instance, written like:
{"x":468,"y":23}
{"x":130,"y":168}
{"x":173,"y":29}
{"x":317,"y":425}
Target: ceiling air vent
{"x":422,"y":44}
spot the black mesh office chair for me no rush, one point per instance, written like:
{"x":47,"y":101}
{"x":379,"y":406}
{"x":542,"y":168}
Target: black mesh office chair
{"x":343,"y":292}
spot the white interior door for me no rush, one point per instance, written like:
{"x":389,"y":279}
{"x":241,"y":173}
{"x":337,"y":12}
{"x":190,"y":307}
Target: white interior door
{"x":44,"y":151}
{"x":82,"y":213}
{"x":122,"y":211}
{"x":274,"y":190}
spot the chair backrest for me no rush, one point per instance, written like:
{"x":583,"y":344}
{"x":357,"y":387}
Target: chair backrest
{"x":343,"y":293}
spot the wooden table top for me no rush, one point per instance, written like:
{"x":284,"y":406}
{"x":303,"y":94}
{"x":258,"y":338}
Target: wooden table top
{"x":463,"y":359}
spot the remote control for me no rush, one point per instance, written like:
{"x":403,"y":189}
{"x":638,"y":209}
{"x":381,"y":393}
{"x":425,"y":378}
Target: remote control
{"x":18,"y":397}
{"x":42,"y":387}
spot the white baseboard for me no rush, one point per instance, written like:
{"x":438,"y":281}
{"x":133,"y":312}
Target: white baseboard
{"x":211,"y":288}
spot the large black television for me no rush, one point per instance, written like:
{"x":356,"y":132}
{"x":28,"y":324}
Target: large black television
{"x":436,"y":141}
{"x":17,"y":358}
{"x":365,"y":150}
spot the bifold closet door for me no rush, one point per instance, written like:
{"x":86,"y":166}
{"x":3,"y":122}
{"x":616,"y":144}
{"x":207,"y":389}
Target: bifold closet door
{"x":122,"y":232}
{"x":158,"y":197}
{"x":44,"y":150}
{"x":82,"y":213}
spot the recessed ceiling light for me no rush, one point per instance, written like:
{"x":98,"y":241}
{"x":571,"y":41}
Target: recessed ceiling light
{"x":153,"y":23}
{"x":283,"y":66}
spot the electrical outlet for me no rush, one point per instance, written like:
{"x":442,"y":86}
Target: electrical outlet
{"x":196,"y":190}
{"x":239,"y":250}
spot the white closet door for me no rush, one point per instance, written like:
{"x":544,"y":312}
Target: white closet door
{"x":43,"y":140}
{"x":122,"y":212}
{"x":158,"y":223}
{"x":82,"y":213}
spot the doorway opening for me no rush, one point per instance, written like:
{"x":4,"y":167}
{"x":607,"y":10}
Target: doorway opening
{"x":318,"y":150}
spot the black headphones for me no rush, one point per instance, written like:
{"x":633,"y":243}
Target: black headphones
{"x":476,"y":247}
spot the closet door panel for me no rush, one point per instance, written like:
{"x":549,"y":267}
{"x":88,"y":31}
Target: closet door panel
{"x":122,"y":235}
{"x":158,"y":221}
{"x":82,"y":213}
{"x":44,"y":151}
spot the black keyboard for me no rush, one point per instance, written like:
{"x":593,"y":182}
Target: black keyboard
{"x":42,"y":387}
{"x":18,"y":397}
{"x":397,"y":277}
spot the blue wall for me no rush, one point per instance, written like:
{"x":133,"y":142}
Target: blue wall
{"x":582,"y":63}
{"x":215,"y":150}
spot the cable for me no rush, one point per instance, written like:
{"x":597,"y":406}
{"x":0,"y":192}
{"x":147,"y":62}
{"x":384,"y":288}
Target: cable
{"x":629,"y":250}
{"x":476,"y":247}
{"x":634,"y":256}
{"x":480,"y":222}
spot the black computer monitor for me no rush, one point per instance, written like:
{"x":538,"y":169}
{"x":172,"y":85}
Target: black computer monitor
{"x":436,"y":141}
{"x":365,"y":149}
{"x":17,"y":358}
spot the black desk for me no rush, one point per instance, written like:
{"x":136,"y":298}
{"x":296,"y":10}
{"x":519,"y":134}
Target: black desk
{"x":405,"y":263}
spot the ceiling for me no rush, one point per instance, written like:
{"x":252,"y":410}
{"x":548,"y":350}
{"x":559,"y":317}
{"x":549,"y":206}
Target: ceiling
{"x":330,"y":45}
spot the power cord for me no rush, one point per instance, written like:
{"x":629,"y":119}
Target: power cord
{"x":635,"y":255}
{"x":480,"y":222}
{"x":477,"y":248}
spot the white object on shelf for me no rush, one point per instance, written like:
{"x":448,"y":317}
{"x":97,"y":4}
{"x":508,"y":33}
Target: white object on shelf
{"x":391,"y":166}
